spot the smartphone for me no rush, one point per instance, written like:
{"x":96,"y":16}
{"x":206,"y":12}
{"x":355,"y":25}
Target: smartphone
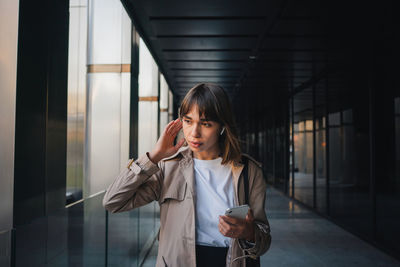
{"x":239,"y":212}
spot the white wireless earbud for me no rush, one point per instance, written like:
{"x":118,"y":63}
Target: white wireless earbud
{"x":223,"y":129}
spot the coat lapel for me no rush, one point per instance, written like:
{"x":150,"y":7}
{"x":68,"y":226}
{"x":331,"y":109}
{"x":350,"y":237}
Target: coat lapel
{"x":186,"y":167}
{"x":187,"y":170}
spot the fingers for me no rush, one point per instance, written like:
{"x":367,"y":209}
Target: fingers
{"x":169,"y":126}
{"x":173,"y":127}
{"x":177,"y":128}
{"x":225,"y":231}
{"x":231,"y":230}
{"x":225,"y":228}
{"x":232,"y":220}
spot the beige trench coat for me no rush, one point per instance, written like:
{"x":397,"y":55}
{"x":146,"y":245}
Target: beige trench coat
{"x":171,"y":183}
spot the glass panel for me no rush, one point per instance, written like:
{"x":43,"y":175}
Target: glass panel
{"x":94,"y":232}
{"x":280,"y":148}
{"x":301,"y":126}
{"x":123,"y":238}
{"x":270,"y":156}
{"x":73,"y":236}
{"x":309,"y":125}
{"x":349,"y":161}
{"x":321,"y":169}
{"x":31,"y":242}
{"x":303,"y":143}
{"x":291,"y":152}
{"x":76,"y":100}
{"x":388,"y":173}
{"x":104,"y":131}
{"x":5,"y":248}
{"x":320,"y":149}
{"x":147,"y":224}
{"x":148,"y":125}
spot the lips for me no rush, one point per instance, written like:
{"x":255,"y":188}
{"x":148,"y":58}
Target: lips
{"x":195,"y":144}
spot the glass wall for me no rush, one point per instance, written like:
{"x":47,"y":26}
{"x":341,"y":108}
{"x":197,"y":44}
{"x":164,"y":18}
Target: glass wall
{"x":164,"y":102}
{"x":148,"y":135}
{"x":346,"y":125}
{"x":99,"y":120}
{"x":291,"y":150}
{"x":343,"y":130}
{"x":388,"y":170}
{"x":8,"y":46}
{"x":76,"y":99}
{"x":84,"y":233}
{"x":303,"y":147}
{"x":320,"y":147}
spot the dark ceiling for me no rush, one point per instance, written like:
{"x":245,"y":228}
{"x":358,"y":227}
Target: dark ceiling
{"x":241,"y":45}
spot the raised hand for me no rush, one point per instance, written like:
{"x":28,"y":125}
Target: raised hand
{"x":165,"y":144}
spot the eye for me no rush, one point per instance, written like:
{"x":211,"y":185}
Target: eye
{"x":187,"y":121}
{"x":207,"y":124}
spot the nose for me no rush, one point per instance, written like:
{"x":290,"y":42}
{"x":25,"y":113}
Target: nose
{"x":196,"y":131}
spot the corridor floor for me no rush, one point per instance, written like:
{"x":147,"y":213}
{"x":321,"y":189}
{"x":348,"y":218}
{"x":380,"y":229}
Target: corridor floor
{"x":302,"y":238}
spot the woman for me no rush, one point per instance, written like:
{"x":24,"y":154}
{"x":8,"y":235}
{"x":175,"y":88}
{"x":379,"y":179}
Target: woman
{"x":194,"y":184}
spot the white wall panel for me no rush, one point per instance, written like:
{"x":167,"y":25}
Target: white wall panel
{"x":148,"y":110}
{"x":125,"y":118}
{"x":105,"y":34}
{"x":164,"y":99}
{"x":147,"y":126}
{"x":8,"y":78}
{"x":163,"y":92}
{"x":148,"y":72}
{"x":109,"y":42}
{"x":9,"y":10}
{"x":126,"y":37}
{"x":103,"y":130}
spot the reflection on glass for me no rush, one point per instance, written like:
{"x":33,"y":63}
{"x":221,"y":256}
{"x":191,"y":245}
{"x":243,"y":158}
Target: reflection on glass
{"x":291,"y":156}
{"x":148,"y":135}
{"x":388,"y":184}
{"x":320,"y":156}
{"x":304,"y":146}
{"x":320,"y":148}
{"x":123,"y":243}
{"x":349,"y":172}
{"x":76,"y":101}
{"x":304,"y":164}
{"x":280,"y":141}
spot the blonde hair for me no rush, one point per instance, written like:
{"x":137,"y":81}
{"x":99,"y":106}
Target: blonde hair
{"x":214,"y":104}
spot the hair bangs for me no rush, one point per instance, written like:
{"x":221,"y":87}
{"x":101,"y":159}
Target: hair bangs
{"x":202,"y":98}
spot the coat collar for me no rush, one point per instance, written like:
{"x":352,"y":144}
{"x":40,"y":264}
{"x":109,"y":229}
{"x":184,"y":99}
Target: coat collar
{"x":187,"y":168}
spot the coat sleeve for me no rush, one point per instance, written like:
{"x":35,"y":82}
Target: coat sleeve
{"x":135,"y":186}
{"x":262,"y":228}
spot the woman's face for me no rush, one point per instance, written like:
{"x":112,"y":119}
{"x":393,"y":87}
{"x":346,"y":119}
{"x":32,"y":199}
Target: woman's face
{"x":201,"y":135}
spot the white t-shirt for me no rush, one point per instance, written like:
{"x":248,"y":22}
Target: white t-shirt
{"x":215,"y":193}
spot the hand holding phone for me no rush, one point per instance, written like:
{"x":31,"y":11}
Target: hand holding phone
{"x":239,"y":212}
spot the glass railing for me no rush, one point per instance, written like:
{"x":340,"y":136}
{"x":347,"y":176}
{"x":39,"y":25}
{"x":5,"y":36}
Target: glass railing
{"x":85,"y":234}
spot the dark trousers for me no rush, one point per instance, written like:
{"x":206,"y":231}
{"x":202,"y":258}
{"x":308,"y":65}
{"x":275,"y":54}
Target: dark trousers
{"x":211,"y":256}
